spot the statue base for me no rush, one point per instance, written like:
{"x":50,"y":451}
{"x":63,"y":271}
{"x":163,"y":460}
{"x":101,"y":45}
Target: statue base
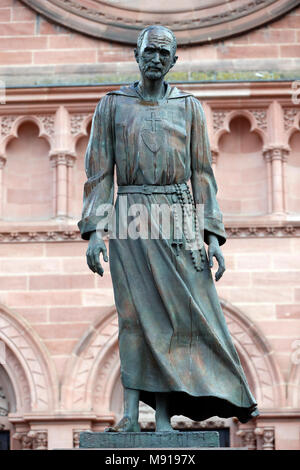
{"x":149,"y":440}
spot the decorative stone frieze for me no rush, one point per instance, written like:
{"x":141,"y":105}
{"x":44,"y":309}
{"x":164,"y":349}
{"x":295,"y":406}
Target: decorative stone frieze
{"x":267,"y":435}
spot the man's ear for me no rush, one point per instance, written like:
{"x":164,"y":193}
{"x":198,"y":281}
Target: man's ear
{"x":136,"y":55}
{"x":174,"y":60}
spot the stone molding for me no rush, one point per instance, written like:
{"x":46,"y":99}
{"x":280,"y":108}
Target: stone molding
{"x":119,"y":22}
{"x":288,"y":230}
{"x":28,"y":364}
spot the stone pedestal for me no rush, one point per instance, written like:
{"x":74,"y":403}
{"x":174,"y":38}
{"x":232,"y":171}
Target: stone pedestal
{"x":149,"y":440}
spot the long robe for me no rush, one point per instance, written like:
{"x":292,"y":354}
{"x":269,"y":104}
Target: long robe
{"x":173,"y":336}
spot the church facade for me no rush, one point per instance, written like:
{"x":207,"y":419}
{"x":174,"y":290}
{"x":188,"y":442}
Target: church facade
{"x":59,"y":360}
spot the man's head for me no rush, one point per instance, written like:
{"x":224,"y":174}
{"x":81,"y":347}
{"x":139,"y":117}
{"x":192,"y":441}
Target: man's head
{"x":155,"y":52}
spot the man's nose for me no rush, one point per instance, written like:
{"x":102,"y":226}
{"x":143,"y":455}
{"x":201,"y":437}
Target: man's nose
{"x":156,"y":58}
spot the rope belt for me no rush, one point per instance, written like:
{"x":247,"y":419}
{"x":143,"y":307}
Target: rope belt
{"x":152,"y":188}
{"x":182,"y":195}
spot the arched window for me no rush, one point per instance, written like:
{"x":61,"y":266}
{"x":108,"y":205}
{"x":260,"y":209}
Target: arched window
{"x":242,"y":174}
{"x":79,"y":174}
{"x":293,"y":175}
{"x":28,"y":191}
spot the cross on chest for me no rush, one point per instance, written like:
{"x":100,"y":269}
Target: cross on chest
{"x":153,"y":119}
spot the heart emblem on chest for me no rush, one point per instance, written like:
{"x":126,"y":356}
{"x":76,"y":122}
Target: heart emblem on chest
{"x":152,"y":140}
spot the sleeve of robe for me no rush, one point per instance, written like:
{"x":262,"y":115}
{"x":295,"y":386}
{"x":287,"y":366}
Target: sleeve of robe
{"x":99,"y":168}
{"x":202,"y":176}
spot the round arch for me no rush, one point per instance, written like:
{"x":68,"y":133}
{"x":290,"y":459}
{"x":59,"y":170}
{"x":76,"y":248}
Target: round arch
{"x":254,"y":125}
{"x":256,"y":353}
{"x":93,"y":371}
{"x":27,"y":364}
{"x":22,"y":120}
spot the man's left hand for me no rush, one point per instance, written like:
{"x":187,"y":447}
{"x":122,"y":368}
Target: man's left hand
{"x":214,"y":250}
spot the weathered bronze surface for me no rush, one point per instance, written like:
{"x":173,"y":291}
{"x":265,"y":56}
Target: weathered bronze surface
{"x":157,"y":440}
{"x":175,"y":349}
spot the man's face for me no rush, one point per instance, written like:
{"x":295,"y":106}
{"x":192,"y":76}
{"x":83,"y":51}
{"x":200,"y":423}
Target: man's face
{"x":155,"y":56}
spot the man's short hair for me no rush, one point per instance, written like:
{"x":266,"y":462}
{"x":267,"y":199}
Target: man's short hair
{"x":149,"y":28}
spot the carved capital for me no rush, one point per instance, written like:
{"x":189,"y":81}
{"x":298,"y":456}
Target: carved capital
{"x":40,"y":439}
{"x":26,"y":441}
{"x":267,"y":435}
{"x":261,"y":118}
{"x":48,"y":123}
{"x":248,"y":438}
{"x":76,"y":123}
{"x":214,"y":156}
{"x":6,"y":125}
{"x":2,"y":162}
{"x":289,"y":116}
{"x":70,"y":160}
{"x":62,"y":158}
{"x":275,"y":153}
{"x":76,"y":437}
{"x":219,"y":117}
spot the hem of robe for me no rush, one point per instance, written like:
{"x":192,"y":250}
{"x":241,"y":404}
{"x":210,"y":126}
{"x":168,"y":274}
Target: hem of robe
{"x":199,"y":408}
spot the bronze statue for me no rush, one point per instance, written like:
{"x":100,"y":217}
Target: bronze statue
{"x":176,"y":352}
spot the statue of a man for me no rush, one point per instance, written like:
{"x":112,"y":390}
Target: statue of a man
{"x":175,"y":349}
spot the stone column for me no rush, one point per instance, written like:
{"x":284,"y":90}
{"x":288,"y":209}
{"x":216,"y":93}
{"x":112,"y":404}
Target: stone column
{"x":76,"y":437}
{"x":70,"y":165}
{"x":214,"y":158}
{"x":267,"y":435}
{"x":62,"y":157}
{"x":61,"y":163}
{"x":275,"y":157}
{"x":2,"y":165}
{"x":269,"y":180}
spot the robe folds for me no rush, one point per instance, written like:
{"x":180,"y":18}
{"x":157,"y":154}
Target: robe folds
{"x":173,"y":337}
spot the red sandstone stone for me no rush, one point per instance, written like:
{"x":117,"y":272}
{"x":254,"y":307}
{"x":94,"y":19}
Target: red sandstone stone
{"x":280,"y":278}
{"x":268,"y":35}
{"x":86,"y":56}
{"x":22,"y":14}
{"x":4,"y":15}
{"x":7,"y":3}
{"x":280,"y":328}
{"x":13,"y":283}
{"x":69,"y":314}
{"x":261,"y":274}
{"x":61,"y":330}
{"x":235,"y":279}
{"x":17,"y":29}
{"x":62,"y":250}
{"x":287,"y":261}
{"x":38,"y":298}
{"x":52,"y":282}
{"x":288,"y":21}
{"x":33,"y":314}
{"x":16,"y":250}
{"x":59,"y":347}
{"x":17,"y":43}
{"x":288,"y":311}
{"x":30,"y":265}
{"x":257,"y":295}
{"x":73,"y":41}
{"x":8,"y":58}
{"x":290,"y":51}
{"x":251,"y":52}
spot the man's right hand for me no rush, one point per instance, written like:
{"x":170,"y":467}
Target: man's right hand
{"x":96,"y":246}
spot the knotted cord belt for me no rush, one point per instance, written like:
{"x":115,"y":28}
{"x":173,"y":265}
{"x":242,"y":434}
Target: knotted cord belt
{"x":181,"y":192}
